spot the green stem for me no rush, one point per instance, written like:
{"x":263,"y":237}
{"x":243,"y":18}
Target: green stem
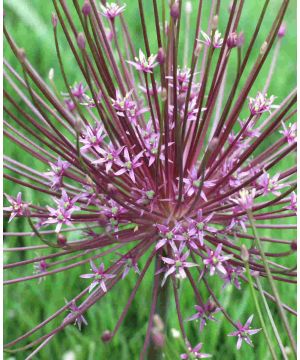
{"x":155,"y":352}
{"x":271,"y":320}
{"x":272,"y":283}
{"x":263,"y":325}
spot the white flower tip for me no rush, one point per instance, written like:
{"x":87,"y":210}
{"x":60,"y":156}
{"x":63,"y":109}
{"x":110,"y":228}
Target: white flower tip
{"x":215,"y":22}
{"x":51,"y":74}
{"x":188,"y":7}
{"x":175,"y":333}
{"x":263,"y":48}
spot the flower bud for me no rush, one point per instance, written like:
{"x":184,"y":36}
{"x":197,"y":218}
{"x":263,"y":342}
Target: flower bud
{"x":109,"y":34}
{"x":163,"y":94}
{"x":263,"y":48}
{"x":106,"y":336}
{"x":240,"y":40}
{"x":212,"y":146}
{"x":215,"y":21}
{"x":175,"y":333}
{"x":158,"y":323}
{"x":54,"y":20}
{"x":294,"y":245}
{"x":211,"y":305}
{"x":61,"y":240}
{"x":51,"y":74}
{"x":232,"y":40}
{"x":175,"y":10}
{"x":160,"y":56}
{"x":188,"y":7}
{"x":281,"y":31}
{"x":198,"y":49}
{"x":181,"y":99}
{"x":86,"y":8}
{"x":81,"y":41}
{"x":244,"y":253}
{"x":158,"y":338}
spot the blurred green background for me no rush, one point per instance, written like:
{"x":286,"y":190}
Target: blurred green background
{"x":26,"y":304}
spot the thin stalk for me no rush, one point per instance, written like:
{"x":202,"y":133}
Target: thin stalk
{"x":155,"y":352}
{"x":271,"y":319}
{"x":272,"y":283}
{"x":261,"y":319}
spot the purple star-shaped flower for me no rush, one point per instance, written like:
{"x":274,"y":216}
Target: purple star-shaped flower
{"x":177,"y":263}
{"x":112,"y":10}
{"x":17,"y":206}
{"x":129,"y":164}
{"x":244,"y":332}
{"x":79,"y":318}
{"x":200,"y":224}
{"x":204,"y":313}
{"x":194,"y":352}
{"x":98,"y":275}
{"x":215,"y":260}
{"x":143,"y":64}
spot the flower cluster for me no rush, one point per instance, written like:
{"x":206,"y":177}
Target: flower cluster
{"x":154,"y":162}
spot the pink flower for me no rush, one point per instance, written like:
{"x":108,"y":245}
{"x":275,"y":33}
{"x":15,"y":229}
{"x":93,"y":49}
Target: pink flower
{"x":112,"y":10}
{"x":113,"y":211}
{"x":57,"y":173}
{"x":215,"y":260}
{"x":98,"y":275}
{"x":62,"y":215}
{"x":293,"y":203}
{"x":270,"y":185}
{"x":289,"y":132}
{"x":193,"y":184}
{"x":231,"y":276}
{"x":214,"y":40}
{"x":40,"y":268}
{"x":92,"y":138}
{"x":244,"y":332}
{"x":169,"y":235}
{"x":129,"y":262}
{"x":204,"y":313}
{"x":129,"y":164}
{"x":109,"y":156}
{"x":17,"y":206}
{"x":75,"y":314}
{"x":200,"y":224}
{"x":177,"y":263}
{"x":78,"y":91}
{"x":260,"y":103}
{"x":246,"y":199}
{"x":143,"y":64}
{"x":194,"y":353}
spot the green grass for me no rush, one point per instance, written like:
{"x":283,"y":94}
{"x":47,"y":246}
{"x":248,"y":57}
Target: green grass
{"x":28,"y":303}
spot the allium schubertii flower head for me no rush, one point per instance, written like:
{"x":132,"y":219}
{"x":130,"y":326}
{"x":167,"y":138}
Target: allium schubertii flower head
{"x":162,"y":165}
